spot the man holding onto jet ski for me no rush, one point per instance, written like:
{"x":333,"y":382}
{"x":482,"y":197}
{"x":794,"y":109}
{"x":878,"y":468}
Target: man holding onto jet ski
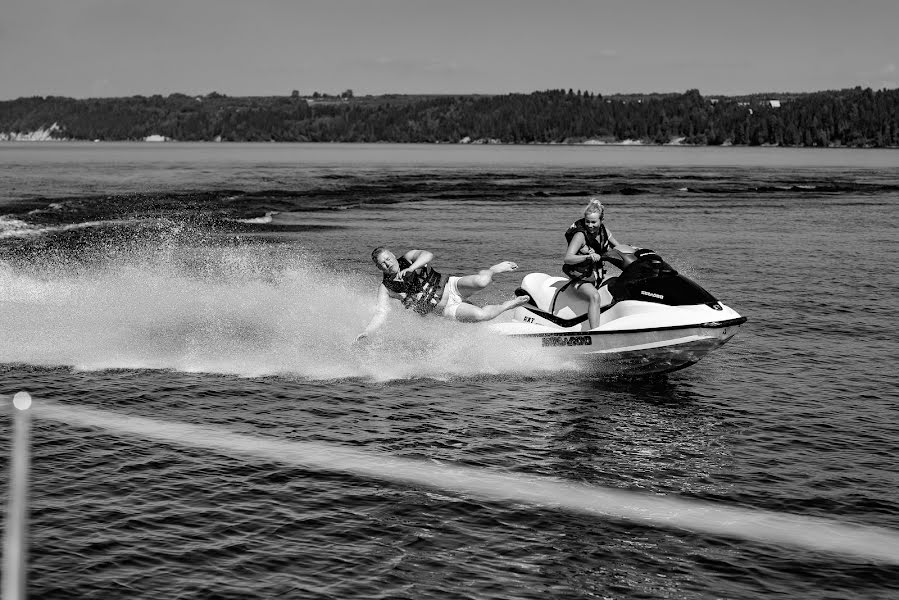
{"x":589,"y":242}
{"x":411,"y":280}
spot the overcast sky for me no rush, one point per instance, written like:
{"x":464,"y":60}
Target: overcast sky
{"x":90,"y":48}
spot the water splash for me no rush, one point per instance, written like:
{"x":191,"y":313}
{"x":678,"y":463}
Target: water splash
{"x":816,"y":534}
{"x":247,"y":310}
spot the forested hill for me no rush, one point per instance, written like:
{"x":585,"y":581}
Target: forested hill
{"x":853,"y":117}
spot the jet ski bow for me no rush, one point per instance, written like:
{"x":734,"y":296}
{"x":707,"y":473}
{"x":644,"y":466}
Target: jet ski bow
{"x":653,"y":319}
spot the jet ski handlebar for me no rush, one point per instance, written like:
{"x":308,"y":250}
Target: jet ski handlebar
{"x":623,"y":256}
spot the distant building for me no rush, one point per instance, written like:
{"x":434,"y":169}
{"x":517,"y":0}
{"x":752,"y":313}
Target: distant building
{"x":774,"y":103}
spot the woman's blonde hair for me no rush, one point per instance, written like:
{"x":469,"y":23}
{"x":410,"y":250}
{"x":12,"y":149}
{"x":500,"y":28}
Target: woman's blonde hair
{"x":594,"y":207}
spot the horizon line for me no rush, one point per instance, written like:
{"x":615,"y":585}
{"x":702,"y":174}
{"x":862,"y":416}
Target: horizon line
{"x":444,"y":94}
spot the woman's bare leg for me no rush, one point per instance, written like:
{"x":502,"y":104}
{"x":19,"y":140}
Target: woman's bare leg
{"x":594,"y":310}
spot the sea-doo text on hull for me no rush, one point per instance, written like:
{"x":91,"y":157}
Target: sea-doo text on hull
{"x":652,"y":319}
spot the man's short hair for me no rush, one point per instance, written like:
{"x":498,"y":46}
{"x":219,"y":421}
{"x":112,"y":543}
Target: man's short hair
{"x":378,"y":252}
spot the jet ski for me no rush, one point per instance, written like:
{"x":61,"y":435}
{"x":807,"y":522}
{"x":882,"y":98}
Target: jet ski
{"x":653,"y":319}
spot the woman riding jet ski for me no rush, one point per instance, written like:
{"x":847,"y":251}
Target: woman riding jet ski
{"x":647,"y":319}
{"x":588,"y":241}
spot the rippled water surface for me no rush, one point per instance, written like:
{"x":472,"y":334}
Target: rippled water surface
{"x":222,"y":285}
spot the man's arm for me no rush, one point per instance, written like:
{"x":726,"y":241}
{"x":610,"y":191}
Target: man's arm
{"x":381,"y":310}
{"x":418,"y":258}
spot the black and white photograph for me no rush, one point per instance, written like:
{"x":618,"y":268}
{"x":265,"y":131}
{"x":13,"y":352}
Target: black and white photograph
{"x":494,"y":300}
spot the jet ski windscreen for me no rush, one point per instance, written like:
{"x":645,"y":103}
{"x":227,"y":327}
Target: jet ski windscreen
{"x":651,"y":279}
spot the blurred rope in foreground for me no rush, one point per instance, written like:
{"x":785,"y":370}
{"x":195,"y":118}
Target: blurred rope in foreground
{"x":768,"y":527}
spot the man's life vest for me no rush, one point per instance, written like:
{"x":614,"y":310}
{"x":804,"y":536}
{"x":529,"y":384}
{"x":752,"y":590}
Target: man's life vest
{"x":598,"y":243}
{"x":420,"y":289}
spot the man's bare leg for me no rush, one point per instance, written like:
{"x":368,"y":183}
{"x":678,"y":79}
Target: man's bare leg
{"x":471,"y":284}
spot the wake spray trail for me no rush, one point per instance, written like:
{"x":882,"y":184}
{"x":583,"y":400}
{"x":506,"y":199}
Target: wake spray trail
{"x":251,"y":311}
{"x":865,"y":542}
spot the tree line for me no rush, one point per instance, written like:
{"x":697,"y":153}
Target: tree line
{"x":853,"y":117}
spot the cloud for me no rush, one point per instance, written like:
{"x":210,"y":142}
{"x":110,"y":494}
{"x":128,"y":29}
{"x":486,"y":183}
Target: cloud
{"x":888,"y":69}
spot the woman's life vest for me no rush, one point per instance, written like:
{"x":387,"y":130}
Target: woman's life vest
{"x":598,"y":243}
{"x":420,"y":289}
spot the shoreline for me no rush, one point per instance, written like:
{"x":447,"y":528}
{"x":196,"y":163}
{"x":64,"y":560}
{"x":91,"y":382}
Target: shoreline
{"x":26,"y":139}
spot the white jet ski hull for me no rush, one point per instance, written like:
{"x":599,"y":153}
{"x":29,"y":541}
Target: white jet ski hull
{"x":629,"y":351}
{"x":653,"y":319}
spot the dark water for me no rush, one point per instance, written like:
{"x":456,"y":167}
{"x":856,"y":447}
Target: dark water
{"x":221,"y":286}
